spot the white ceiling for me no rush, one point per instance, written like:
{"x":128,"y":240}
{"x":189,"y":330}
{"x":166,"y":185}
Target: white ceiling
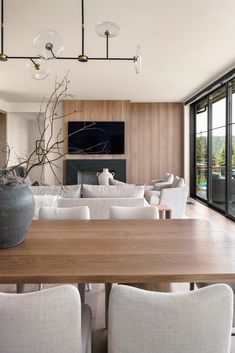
{"x":185,"y":45}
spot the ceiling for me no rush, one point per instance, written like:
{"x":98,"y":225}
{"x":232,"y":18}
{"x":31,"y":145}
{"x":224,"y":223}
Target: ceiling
{"x":185,"y":45}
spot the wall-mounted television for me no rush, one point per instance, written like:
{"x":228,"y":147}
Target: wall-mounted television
{"x":96,"y":137}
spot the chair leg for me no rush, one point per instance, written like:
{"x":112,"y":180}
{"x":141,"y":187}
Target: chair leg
{"x":108,"y":287}
{"x":191,"y":286}
{"x":20,"y":288}
{"x":40,"y":286}
{"x":88,"y":287}
{"x":81,"y":289}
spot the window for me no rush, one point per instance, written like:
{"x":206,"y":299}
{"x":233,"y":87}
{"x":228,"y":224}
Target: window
{"x":201,"y":149}
{"x":214,"y":149}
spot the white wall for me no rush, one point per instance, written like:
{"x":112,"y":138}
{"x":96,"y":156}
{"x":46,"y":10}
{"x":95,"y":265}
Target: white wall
{"x":17,"y":137}
{"x":4,"y":106}
{"x":22,"y":133}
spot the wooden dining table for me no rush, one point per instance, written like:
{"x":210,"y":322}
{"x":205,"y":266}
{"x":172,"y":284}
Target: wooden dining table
{"x":127,"y":251}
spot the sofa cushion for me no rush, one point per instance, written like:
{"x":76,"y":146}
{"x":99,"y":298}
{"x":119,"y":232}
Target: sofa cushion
{"x":58,"y":190}
{"x":115,"y":182}
{"x":148,"y":187}
{"x":178,"y":182}
{"x":71,"y":191}
{"x":169,"y":178}
{"x":112,"y":191}
{"x":162,"y":185}
{"x":46,"y":190}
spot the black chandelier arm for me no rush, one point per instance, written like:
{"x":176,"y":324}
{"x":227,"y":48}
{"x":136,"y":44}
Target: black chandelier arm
{"x":83,"y":29}
{"x":107,"y":46}
{"x":24,"y":57}
{"x":32,"y":60}
{"x":67,"y":58}
{"x":2,"y":26}
{"x":132,"y":59}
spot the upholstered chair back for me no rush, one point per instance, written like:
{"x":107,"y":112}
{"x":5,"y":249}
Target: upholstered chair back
{"x":117,"y":212}
{"x":176,"y":199}
{"x":48,"y":321}
{"x":67,"y":213}
{"x":199,"y":321}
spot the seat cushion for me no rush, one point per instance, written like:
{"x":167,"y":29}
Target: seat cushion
{"x":86,"y":329}
{"x":152,"y":196}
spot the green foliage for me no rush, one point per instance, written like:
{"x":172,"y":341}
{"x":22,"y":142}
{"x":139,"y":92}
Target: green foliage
{"x":201,"y":149}
{"x":200,"y":178}
{"x":221,"y":157}
{"x":233,"y":156}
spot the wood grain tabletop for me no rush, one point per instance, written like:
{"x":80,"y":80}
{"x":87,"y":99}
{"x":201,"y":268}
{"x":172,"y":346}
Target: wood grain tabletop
{"x":127,"y":251}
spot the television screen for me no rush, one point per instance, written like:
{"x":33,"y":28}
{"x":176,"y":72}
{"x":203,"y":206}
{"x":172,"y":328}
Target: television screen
{"x":96,"y":137}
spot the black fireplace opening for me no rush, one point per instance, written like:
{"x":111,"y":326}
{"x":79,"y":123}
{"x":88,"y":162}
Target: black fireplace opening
{"x":83,"y":171}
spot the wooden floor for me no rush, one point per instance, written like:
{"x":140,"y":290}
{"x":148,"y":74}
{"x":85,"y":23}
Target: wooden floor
{"x":95,"y":298}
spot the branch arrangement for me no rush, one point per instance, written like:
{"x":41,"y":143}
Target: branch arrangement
{"x":53,"y":150}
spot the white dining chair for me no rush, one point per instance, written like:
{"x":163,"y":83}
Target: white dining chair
{"x":141,"y":321}
{"x":118,"y":212}
{"x":230,"y":284}
{"x":50,"y":321}
{"x":67,"y":213}
{"x":124,"y":213}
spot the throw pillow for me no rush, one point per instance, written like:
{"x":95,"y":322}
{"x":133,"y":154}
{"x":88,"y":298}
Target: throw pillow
{"x":68,"y":191}
{"x":115,"y":182}
{"x":178,"y":182}
{"x":71,"y":191}
{"x":112,"y":191}
{"x":46,"y":190}
{"x":169,"y":178}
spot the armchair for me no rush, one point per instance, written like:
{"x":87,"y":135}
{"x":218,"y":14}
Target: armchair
{"x":175,"y":198}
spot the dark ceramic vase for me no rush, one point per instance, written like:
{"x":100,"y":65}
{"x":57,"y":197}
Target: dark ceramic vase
{"x":16,"y":214}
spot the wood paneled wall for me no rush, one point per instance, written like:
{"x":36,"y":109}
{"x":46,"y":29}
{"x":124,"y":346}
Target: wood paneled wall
{"x":154,"y":134}
{"x":157,"y":140}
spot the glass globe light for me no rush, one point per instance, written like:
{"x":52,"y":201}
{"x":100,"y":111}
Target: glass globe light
{"x":138,"y":60}
{"x":38,"y":69}
{"x":48,"y":44}
{"x":107,"y":27}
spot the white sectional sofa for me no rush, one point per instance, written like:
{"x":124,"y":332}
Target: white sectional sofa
{"x":99,"y":198}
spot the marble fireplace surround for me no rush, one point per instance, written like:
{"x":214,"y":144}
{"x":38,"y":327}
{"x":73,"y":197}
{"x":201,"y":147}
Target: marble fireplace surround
{"x":84,"y":170}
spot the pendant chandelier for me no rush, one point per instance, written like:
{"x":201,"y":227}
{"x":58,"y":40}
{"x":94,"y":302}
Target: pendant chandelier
{"x":48,"y":45}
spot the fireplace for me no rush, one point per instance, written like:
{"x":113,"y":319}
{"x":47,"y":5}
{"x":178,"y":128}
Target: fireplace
{"x":80,"y":171}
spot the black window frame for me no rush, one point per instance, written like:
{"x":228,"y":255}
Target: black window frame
{"x":226,"y":81}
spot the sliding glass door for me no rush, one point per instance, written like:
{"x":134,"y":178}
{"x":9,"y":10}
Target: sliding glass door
{"x":213,"y":168}
{"x":231,"y":153}
{"x":201,"y":149}
{"x":217,"y":151}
